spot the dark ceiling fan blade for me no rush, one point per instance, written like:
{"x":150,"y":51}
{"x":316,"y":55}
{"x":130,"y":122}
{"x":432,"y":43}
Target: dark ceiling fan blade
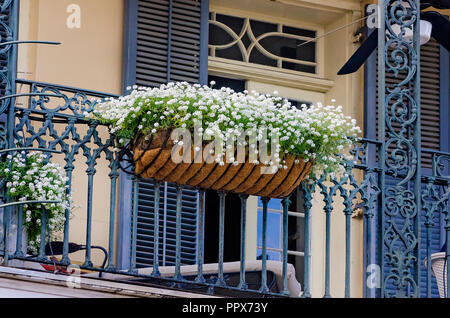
{"x":361,"y":55}
{"x":425,"y":4}
{"x":438,"y":4}
{"x":441,"y":27}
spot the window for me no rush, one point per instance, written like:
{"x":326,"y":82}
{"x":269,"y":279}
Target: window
{"x":156,"y":53}
{"x":296,"y":224}
{"x":299,"y":103}
{"x":253,"y":41}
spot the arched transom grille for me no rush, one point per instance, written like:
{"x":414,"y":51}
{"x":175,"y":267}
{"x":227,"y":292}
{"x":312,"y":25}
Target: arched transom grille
{"x":266,"y":43}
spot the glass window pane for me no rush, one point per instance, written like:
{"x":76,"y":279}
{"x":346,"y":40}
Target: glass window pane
{"x":259,"y":28}
{"x":271,"y":255}
{"x":258,"y":58}
{"x":300,"y":32}
{"x":274,"y":204}
{"x":234,"y":23}
{"x":273,"y":230}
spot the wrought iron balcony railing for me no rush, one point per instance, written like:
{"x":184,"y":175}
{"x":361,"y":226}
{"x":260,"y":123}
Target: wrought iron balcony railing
{"x":50,"y":117}
{"x":405,"y":217}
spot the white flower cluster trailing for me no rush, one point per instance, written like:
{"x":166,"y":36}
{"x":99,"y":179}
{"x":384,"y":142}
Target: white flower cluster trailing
{"x":317,"y":133}
{"x":28,"y":177}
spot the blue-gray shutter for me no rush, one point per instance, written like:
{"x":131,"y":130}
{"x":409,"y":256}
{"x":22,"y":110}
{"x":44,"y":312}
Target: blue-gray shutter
{"x":167,"y":225}
{"x":169,"y":45}
{"x":166,"y":40}
{"x":433,"y":134}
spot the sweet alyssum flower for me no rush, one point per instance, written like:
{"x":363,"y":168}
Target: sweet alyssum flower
{"x":44,"y":182}
{"x":317,"y":133}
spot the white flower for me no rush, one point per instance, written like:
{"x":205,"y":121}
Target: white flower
{"x":46,"y":182}
{"x":317,"y":132}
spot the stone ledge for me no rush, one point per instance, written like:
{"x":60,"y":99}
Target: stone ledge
{"x":33,"y":283}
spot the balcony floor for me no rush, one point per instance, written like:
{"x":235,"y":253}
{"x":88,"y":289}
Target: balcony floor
{"x":27,"y":283}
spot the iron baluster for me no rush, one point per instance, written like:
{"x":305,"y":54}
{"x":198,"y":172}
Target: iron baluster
{"x":201,"y":237}
{"x":307,"y":190}
{"x":113,"y":175}
{"x":177,"y":275}
{"x":285,"y":203}
{"x":220,"y":278}
{"x":157,"y":188}
{"x":264,"y":288}
{"x":243,"y":199}
{"x":132,"y":268}
{"x":19,"y":251}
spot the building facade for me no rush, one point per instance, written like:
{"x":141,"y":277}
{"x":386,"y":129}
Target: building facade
{"x":108,"y":45}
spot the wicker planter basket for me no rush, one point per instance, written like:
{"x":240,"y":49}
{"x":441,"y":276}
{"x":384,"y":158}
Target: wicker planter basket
{"x":152,"y":159}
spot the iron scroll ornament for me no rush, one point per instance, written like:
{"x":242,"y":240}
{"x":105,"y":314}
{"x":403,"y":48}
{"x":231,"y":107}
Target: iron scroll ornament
{"x":401,"y":149}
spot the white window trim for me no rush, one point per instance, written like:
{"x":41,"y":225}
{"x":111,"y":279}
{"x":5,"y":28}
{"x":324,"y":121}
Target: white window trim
{"x":270,"y":18}
{"x":267,"y":74}
{"x":247,"y":30}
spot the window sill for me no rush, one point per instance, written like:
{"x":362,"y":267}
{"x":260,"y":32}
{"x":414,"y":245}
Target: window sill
{"x":265,"y":74}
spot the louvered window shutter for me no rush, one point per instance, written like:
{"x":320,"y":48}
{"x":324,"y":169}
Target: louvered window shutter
{"x":433,"y":133}
{"x":167,"y":225}
{"x":166,"y":41}
{"x":171,"y":41}
{"x":430,"y":99}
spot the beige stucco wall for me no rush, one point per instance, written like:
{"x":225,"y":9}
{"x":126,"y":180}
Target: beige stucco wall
{"x":348,"y":92}
{"x":89,"y":57}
